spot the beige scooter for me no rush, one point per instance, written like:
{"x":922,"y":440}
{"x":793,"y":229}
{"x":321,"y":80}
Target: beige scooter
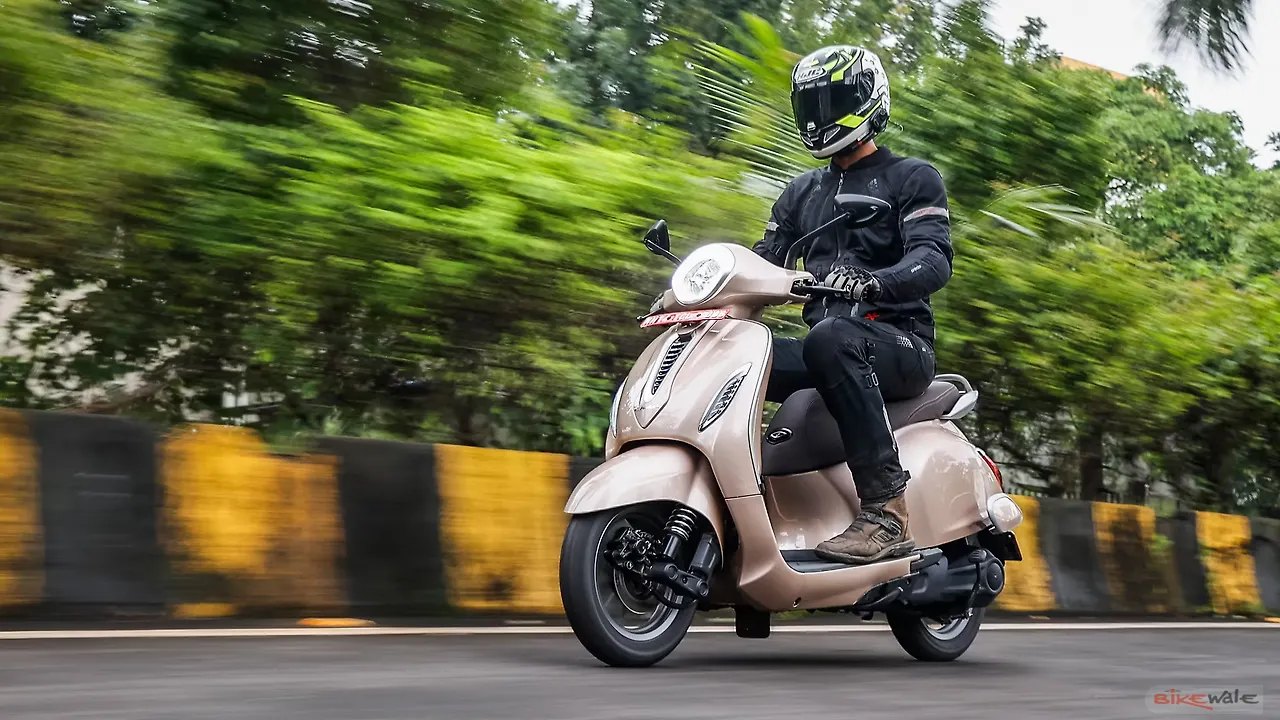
{"x":697,"y":507}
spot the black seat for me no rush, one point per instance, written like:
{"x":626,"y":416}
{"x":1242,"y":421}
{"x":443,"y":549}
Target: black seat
{"x":803,"y":436}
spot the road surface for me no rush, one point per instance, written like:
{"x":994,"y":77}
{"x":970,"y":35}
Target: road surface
{"x":1080,"y":673}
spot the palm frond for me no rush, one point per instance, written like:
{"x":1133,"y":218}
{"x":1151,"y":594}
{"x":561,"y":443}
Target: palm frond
{"x":1030,"y":211}
{"x":1216,"y":28}
{"x":748,"y":96}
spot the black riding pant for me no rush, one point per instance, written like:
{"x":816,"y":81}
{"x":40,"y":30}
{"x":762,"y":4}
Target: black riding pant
{"x":856,"y":365}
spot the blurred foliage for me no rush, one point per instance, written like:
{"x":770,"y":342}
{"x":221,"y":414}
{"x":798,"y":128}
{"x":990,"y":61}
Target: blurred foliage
{"x":420,"y":221}
{"x":242,"y":60}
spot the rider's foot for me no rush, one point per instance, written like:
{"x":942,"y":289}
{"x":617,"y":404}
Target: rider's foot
{"x":879,"y":532}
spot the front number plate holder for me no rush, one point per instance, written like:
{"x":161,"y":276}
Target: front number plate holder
{"x":684,"y":316}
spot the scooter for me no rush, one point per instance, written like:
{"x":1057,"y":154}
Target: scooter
{"x":698,"y":506}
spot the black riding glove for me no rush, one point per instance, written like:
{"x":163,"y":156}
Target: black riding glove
{"x":854,"y":282}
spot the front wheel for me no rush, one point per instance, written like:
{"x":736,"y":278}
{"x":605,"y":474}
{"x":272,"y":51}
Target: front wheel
{"x":614,"y":614}
{"x":932,"y":641}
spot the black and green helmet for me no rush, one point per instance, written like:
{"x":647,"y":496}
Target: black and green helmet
{"x":840,"y":97}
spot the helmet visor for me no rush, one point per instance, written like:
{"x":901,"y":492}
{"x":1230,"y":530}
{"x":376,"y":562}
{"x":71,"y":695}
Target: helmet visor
{"x":820,"y":106}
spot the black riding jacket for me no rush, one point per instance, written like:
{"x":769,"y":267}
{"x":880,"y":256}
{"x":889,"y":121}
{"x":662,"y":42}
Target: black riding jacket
{"x":909,"y":251}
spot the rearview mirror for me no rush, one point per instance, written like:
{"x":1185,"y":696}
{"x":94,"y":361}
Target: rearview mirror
{"x":658,"y":240}
{"x":658,"y":236}
{"x":863,"y":210}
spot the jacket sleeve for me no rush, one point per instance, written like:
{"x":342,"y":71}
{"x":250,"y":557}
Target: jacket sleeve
{"x":780,"y":232}
{"x":926,"y":232}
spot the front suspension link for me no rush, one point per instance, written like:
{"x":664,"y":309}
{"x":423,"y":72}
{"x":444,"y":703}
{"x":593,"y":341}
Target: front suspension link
{"x":637,"y":553}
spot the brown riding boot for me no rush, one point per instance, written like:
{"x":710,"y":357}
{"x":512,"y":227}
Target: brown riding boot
{"x":878,"y":533}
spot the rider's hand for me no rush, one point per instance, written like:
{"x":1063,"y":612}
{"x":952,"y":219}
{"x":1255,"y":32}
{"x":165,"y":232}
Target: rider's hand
{"x":656,"y":307}
{"x":856,"y":283}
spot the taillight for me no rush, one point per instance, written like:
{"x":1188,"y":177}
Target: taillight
{"x":995,"y":470}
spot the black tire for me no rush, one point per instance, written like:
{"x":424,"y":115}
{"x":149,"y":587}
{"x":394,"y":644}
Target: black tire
{"x":935,"y":645}
{"x":586,"y":582}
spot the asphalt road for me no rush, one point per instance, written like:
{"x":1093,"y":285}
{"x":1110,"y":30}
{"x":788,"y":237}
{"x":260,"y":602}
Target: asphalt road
{"x":1078,"y":674}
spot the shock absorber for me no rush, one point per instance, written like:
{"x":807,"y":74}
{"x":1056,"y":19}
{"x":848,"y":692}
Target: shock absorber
{"x":685,"y":587}
{"x":680,"y":527}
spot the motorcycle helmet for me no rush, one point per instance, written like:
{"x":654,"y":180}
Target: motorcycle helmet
{"x":840,"y":98}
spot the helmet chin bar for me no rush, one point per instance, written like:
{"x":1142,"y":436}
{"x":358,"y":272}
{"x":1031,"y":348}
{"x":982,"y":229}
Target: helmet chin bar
{"x":850,"y":140}
{"x":864,"y":133}
{"x":849,"y":143}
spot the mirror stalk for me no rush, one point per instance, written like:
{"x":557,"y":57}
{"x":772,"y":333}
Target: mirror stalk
{"x":657,"y":249}
{"x":798,"y":246}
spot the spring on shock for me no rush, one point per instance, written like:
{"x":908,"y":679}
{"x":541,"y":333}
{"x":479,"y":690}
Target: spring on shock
{"x":682,"y":523}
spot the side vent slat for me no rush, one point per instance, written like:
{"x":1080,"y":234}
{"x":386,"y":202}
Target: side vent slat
{"x":669,"y":360}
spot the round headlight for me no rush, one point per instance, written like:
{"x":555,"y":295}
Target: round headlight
{"x":702,"y":274}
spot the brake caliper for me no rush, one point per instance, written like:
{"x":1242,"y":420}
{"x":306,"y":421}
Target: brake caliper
{"x":633,"y":551}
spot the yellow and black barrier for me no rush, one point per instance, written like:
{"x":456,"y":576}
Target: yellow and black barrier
{"x":1028,"y":583}
{"x":246,"y":531}
{"x":99,"y":494}
{"x":390,"y":511}
{"x":102,"y":517}
{"x":1266,"y":557}
{"x":1226,"y":543}
{"x":1138,"y":575}
{"x":21,"y":529}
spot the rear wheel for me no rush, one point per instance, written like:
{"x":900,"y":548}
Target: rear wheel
{"x":934,"y":641}
{"x":615,"y":614}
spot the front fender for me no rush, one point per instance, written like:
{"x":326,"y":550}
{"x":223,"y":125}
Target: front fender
{"x":652,"y":472}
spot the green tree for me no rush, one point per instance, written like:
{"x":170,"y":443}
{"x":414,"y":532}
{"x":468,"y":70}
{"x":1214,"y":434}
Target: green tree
{"x":507,"y":296}
{"x":317,"y":266}
{"x":1080,"y":345}
{"x":1182,"y":185}
{"x":83,"y":129}
{"x":241,"y":60}
{"x":991,"y":118}
{"x":421,"y":222}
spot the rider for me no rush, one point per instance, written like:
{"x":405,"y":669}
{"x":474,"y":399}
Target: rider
{"x":878,"y":345}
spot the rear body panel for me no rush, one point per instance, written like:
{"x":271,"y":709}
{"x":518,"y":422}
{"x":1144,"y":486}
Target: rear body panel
{"x":946,"y":496}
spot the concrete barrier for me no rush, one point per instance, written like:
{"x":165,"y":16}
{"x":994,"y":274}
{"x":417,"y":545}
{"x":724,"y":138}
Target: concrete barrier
{"x":394,"y":562}
{"x":1224,"y":549}
{"x":1191,"y":592}
{"x":502,"y":522}
{"x":21,"y":528}
{"x":98,"y":499}
{"x":1265,"y":549}
{"x":1138,"y":578}
{"x":1028,"y":583}
{"x":102,"y":516}
{"x":1068,"y":540}
{"x":248,"y":531}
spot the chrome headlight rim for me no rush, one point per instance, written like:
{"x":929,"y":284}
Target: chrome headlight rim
{"x":685,"y":283}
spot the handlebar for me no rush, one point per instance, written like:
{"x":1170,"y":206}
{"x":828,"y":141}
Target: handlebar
{"x":816,"y":290}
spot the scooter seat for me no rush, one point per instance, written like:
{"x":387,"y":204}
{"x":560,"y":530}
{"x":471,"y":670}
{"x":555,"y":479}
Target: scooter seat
{"x":803,"y":436}
{"x":933,"y":404}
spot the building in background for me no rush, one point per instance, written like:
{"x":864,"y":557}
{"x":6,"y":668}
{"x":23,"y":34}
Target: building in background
{"x":1073,"y":64}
